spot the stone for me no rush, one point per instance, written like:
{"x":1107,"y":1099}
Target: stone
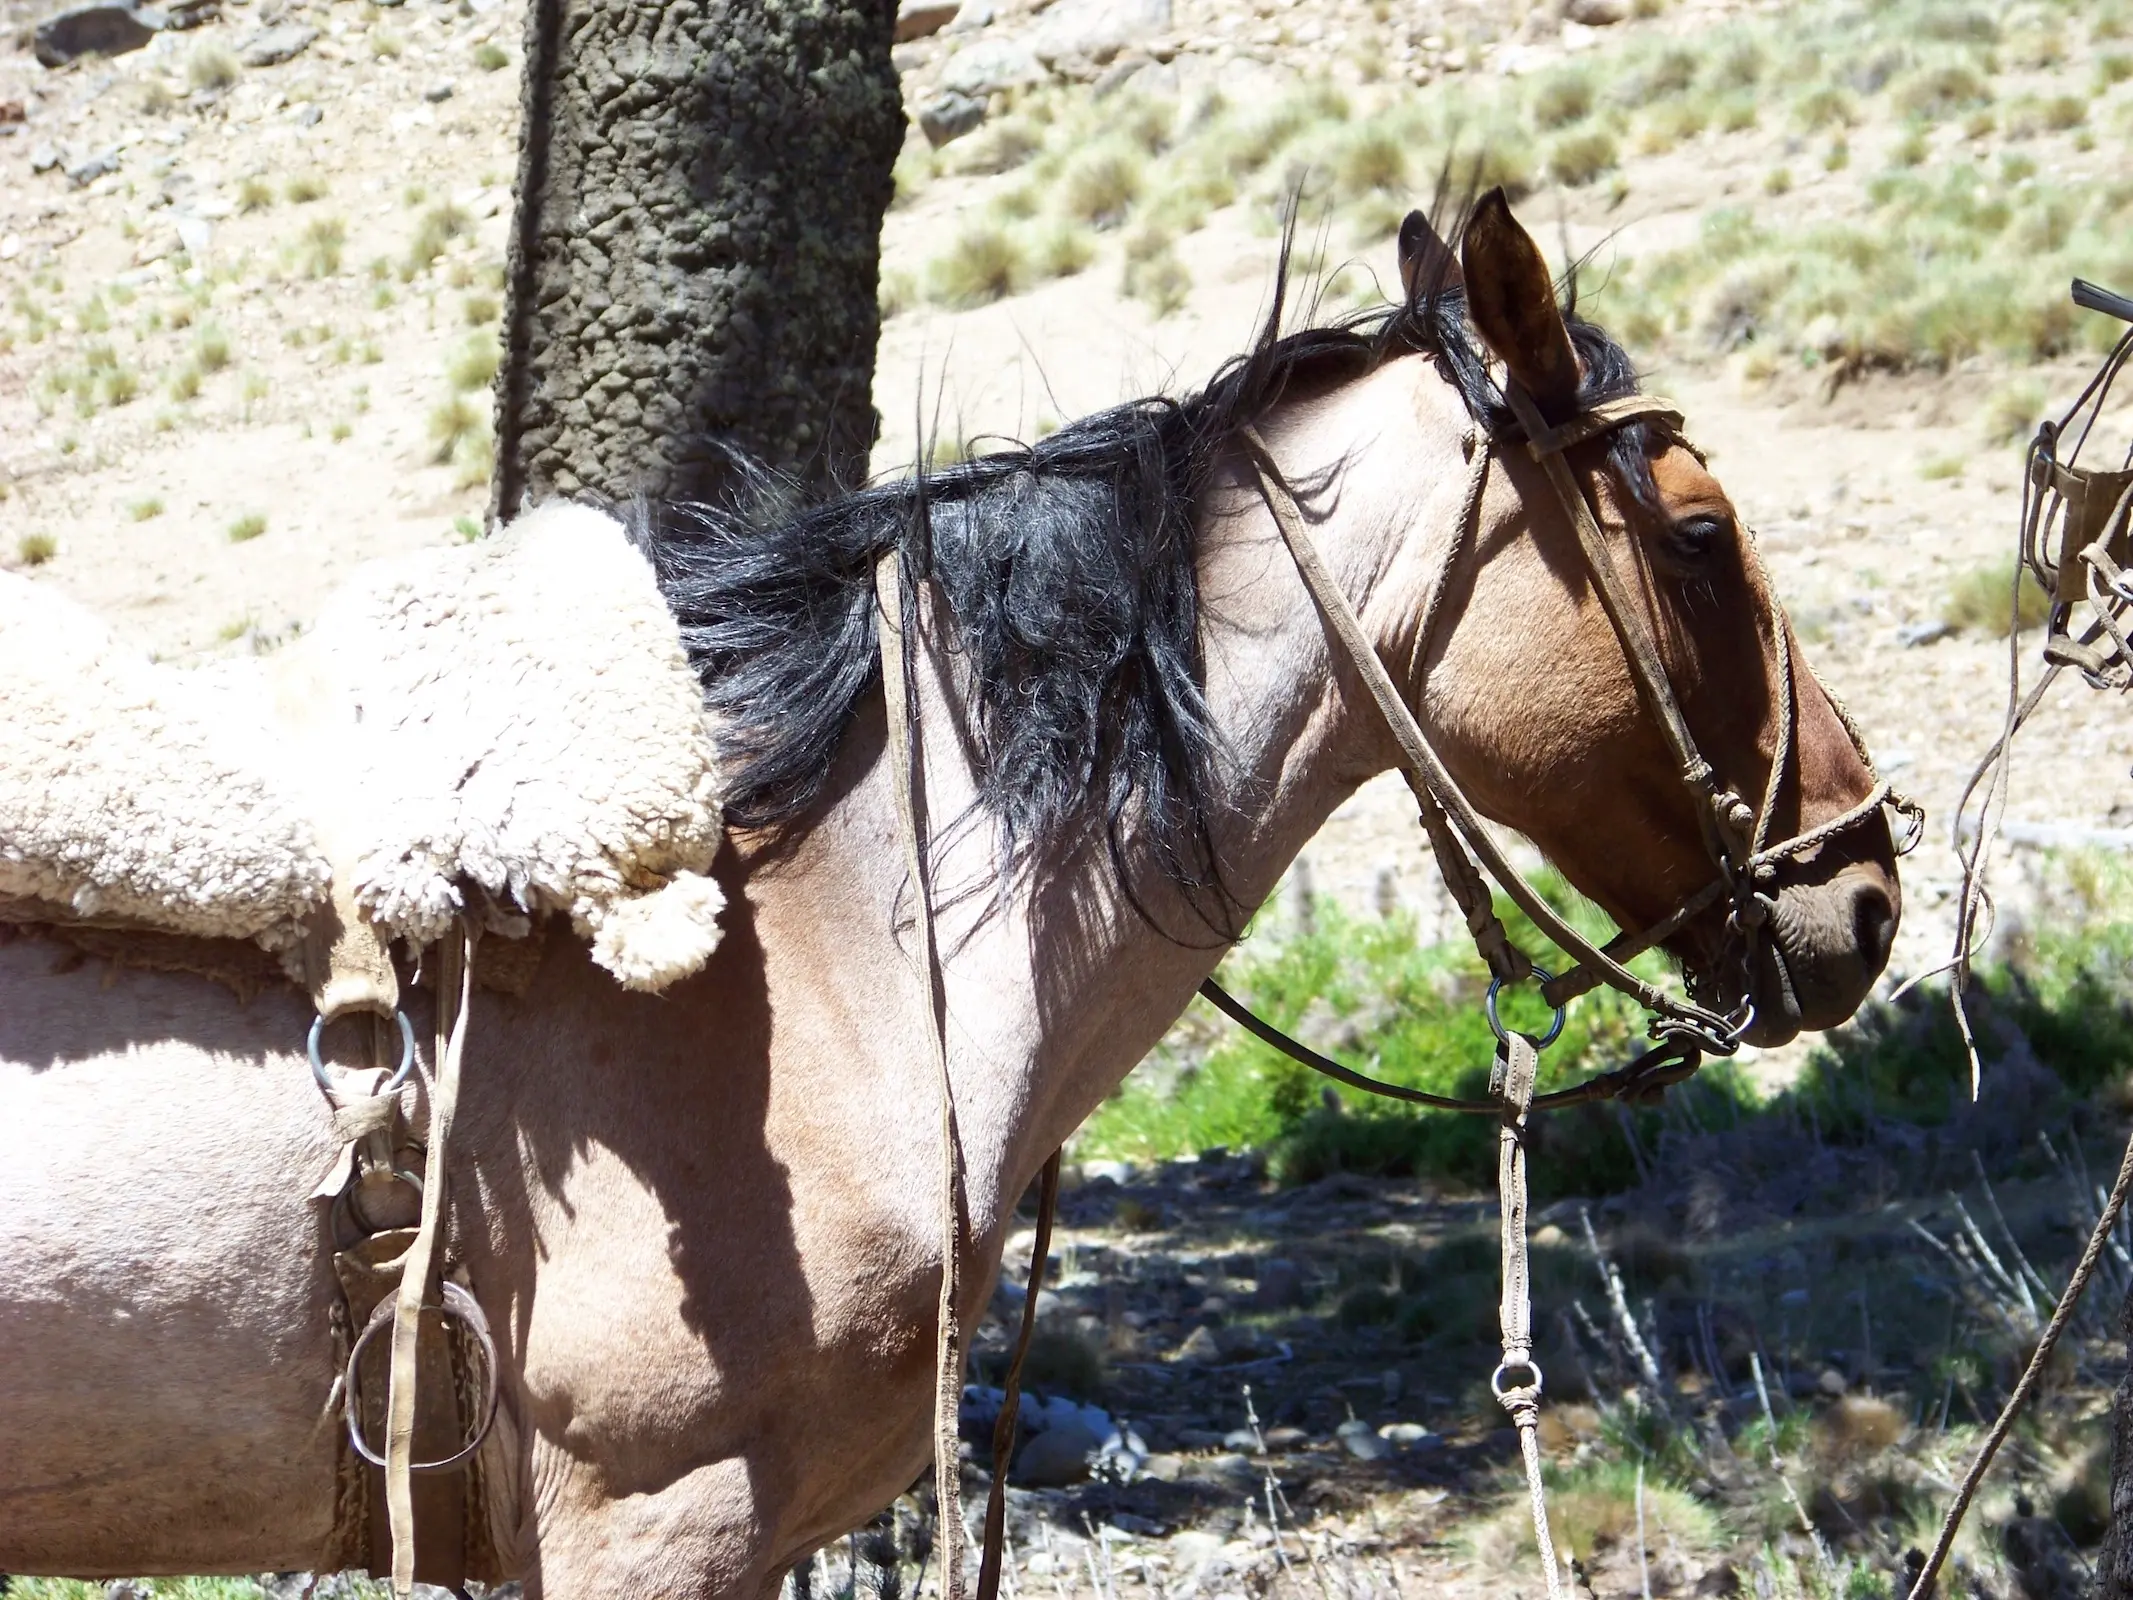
{"x":88,"y":170}
{"x":44,"y":158}
{"x":109,"y":29}
{"x":920,"y":19}
{"x":1286,"y":1438}
{"x":270,"y":47}
{"x":307,"y":115}
{"x":1913,"y":634}
{"x":183,"y":14}
{"x":1056,"y":1457}
{"x":1832,"y":1383}
{"x":1120,"y":1172}
{"x":437,"y":93}
{"x":1228,"y":1468}
{"x":194,"y":234}
{"x":1407,"y":1435}
{"x":1163,"y":1468}
{"x":947,"y":117}
{"x":1240,"y":1439}
{"x":977,"y":69}
{"x":1077,"y":38}
{"x":1596,"y":13}
{"x":1200,"y":1348}
{"x":1360,"y":1440}
{"x":13,"y":111}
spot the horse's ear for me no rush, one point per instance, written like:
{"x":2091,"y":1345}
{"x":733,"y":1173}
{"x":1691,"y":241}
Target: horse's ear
{"x":1427,"y":265}
{"x":1511,"y":300}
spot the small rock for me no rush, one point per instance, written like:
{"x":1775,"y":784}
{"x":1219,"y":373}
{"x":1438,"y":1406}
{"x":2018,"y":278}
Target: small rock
{"x":1361,"y":1441}
{"x":44,"y":158}
{"x":1120,"y":1172}
{"x":973,"y":15}
{"x":1286,"y":1438}
{"x":84,"y":173}
{"x":977,"y":69}
{"x":283,"y":42}
{"x":1407,"y":1435}
{"x":1231,"y":1468}
{"x":308,"y":115}
{"x":13,"y":111}
{"x":437,"y":93}
{"x":1163,"y":1468}
{"x":109,"y":29}
{"x":1139,"y":1527}
{"x":1240,"y":1439}
{"x":1596,"y":13}
{"x":1832,"y":1382}
{"x":183,"y":14}
{"x":194,"y":234}
{"x":918,"y":19}
{"x":1200,"y":1348}
{"x":10,"y":247}
{"x":1056,"y":1457}
{"x":1078,"y":37}
{"x":1913,"y":634}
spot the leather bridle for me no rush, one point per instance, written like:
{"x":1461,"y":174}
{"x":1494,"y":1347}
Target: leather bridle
{"x":1736,"y":835}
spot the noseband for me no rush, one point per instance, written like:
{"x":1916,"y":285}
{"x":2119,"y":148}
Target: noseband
{"x":1736,"y":835}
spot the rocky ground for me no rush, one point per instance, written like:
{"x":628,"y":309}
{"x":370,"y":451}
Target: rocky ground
{"x":251,"y":275}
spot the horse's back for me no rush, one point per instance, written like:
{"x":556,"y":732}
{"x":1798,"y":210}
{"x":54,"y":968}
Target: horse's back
{"x":164,"y":1307}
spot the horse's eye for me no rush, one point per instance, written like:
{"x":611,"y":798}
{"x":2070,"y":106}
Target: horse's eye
{"x":1695,"y":537}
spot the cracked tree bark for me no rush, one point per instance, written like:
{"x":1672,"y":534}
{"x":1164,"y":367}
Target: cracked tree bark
{"x":2114,"y":1567}
{"x":694,"y":260}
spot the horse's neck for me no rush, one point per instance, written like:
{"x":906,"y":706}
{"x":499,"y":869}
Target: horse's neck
{"x":1059,"y":986}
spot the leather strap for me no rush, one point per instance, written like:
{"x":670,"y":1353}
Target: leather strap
{"x":1424,"y":769}
{"x":1006,"y":1426}
{"x":454,"y":992}
{"x":1511,"y":1084}
{"x":907,"y":779}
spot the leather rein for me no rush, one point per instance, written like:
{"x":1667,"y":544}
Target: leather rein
{"x":1736,"y":835}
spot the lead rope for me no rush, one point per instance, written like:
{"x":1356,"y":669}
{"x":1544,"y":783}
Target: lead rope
{"x":1511,"y":1085}
{"x":948,"y":1352}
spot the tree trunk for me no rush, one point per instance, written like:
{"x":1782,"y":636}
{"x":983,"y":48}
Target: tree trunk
{"x":2114,"y":1567}
{"x":695,"y":256}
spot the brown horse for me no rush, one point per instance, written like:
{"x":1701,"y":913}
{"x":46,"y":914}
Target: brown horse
{"x":703,"y":1225}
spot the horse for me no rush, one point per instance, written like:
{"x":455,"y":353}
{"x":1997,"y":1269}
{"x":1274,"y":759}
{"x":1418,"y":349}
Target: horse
{"x":703,"y":1225}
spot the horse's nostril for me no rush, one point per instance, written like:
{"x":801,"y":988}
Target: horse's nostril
{"x":1873,"y":923}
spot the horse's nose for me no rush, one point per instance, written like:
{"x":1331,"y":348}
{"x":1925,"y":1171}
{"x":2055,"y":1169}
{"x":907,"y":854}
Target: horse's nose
{"x":1873,"y":923}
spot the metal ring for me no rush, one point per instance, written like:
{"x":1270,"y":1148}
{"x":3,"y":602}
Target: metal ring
{"x":346,"y":1199}
{"x":457,"y":1303}
{"x":1555,"y":1028}
{"x":1499,"y":1388}
{"x":407,"y":1057}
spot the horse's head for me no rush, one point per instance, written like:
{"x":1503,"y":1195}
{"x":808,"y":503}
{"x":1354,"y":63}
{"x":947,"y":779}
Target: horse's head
{"x":1542,"y":716}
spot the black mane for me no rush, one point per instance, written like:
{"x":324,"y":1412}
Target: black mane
{"x":1069,"y":566}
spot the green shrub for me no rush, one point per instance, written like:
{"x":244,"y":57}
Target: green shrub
{"x":304,"y":188}
{"x":211,"y":349}
{"x":2011,"y":415}
{"x":452,"y":423}
{"x":490,"y":56}
{"x":1153,"y":273}
{"x":35,"y":549}
{"x":247,"y":527}
{"x":320,"y":248}
{"x":254,"y":194}
{"x":440,"y":225}
{"x":1374,"y":159}
{"x":1059,"y":250}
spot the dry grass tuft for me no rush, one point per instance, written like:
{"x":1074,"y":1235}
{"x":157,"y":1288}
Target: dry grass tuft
{"x":1978,"y":602}
{"x":35,"y":549}
{"x":984,"y":264}
{"x":210,"y":67}
{"x":1101,"y":187}
{"x":1577,"y":158}
{"x":474,"y":367}
{"x":247,"y":527}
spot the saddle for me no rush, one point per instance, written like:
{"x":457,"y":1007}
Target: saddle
{"x":470,"y":741}
{"x":501,"y":731}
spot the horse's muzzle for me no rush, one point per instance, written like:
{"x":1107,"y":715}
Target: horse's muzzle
{"x":1824,"y":946}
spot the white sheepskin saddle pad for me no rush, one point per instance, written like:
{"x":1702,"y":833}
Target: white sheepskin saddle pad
{"x":507,"y":727}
